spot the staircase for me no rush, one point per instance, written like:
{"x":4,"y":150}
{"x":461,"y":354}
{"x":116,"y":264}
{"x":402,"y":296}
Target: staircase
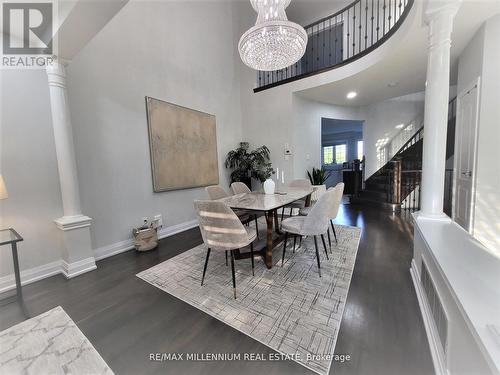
{"x":397,"y":180}
{"x":397,"y":184}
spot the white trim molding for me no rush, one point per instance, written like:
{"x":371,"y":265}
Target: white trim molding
{"x":70,"y":270}
{"x":30,"y":275}
{"x":126,"y":245}
{"x":73,"y":222}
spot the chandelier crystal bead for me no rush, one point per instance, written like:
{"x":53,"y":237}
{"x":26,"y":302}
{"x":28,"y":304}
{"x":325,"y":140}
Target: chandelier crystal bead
{"x":274,"y":43}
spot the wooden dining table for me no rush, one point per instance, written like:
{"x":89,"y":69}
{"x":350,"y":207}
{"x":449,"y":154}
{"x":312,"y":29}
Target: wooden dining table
{"x":269,"y":204}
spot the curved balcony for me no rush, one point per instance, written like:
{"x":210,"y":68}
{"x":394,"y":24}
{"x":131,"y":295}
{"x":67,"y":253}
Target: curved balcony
{"x":341,"y":38}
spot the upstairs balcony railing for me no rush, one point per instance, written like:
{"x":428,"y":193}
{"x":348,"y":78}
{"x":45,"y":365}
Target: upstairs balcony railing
{"x":341,"y":38}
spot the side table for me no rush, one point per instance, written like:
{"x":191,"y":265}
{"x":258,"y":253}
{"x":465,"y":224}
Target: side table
{"x":10,"y":236}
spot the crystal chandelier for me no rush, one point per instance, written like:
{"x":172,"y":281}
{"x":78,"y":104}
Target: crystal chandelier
{"x":274,"y":42}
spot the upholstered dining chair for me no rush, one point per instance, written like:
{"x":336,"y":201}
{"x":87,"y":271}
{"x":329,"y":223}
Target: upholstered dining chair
{"x":335,"y":208}
{"x":339,"y":192}
{"x":301,"y":183}
{"x":241,"y":188}
{"x":217,"y":192}
{"x":222,"y":230}
{"x":315,"y":224}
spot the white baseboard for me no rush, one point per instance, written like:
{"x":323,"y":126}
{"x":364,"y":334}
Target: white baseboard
{"x":178,"y":228}
{"x":30,"y":275}
{"x":430,"y":328}
{"x":77,"y":268}
{"x":113,"y":249}
{"x":74,"y":269}
{"x":122,"y":246}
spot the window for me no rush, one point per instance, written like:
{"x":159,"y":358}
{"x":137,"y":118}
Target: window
{"x":328,"y":155}
{"x":340,"y":154}
{"x":334,"y":154}
{"x":360,"y":150}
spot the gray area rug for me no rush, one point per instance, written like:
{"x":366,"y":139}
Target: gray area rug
{"x":290,"y":309}
{"x":49,"y":343}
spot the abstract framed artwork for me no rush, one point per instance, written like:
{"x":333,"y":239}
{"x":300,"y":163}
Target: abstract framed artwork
{"x":183,"y":146}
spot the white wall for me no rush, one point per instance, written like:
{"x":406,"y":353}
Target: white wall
{"x":307,"y":130}
{"x":29,"y":166}
{"x":481,"y":58}
{"x":179,"y":52}
{"x":380,"y":124}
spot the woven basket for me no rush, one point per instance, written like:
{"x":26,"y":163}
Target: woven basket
{"x":145,"y":239}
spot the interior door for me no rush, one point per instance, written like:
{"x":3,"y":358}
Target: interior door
{"x":465,"y":156}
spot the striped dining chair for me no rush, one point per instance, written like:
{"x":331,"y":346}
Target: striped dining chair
{"x":241,"y":188}
{"x":217,"y":192}
{"x":222,"y":230}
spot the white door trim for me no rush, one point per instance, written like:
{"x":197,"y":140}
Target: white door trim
{"x":474,"y":84}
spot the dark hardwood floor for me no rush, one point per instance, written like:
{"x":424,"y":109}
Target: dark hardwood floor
{"x":126,"y":319}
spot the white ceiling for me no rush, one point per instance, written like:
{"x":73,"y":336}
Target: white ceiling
{"x":85,"y":19}
{"x":306,"y":12}
{"x":406,"y":65}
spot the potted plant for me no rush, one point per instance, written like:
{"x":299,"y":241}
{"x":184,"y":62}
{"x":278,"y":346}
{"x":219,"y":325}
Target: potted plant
{"x":240,"y":161}
{"x":247,"y":164}
{"x":262,"y":168}
{"x":318,"y":179}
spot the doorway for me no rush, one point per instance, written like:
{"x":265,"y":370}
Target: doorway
{"x":465,"y":147}
{"x":341,"y":145}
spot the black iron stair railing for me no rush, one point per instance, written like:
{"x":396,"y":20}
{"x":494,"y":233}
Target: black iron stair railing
{"x":402,"y":175}
{"x":341,"y":38}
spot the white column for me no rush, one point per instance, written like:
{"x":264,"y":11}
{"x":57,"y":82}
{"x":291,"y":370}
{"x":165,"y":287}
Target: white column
{"x":78,"y":256}
{"x":439,"y":17}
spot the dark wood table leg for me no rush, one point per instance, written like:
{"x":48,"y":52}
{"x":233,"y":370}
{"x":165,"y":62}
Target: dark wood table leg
{"x":276,"y":222}
{"x":16,"y":270}
{"x":268,"y":257}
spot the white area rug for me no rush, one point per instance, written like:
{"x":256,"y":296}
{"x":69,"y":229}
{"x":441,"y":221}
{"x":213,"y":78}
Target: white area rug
{"x":290,"y":308}
{"x":49,"y":343}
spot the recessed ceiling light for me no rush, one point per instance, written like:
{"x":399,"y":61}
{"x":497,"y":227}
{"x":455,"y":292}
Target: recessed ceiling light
{"x":352,"y":95}
{"x":400,"y":126}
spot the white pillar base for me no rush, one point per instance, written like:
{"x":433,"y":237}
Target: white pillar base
{"x":78,"y":256}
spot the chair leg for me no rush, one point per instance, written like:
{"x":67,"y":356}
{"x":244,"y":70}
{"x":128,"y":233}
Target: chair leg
{"x":294,"y":242}
{"x":282,"y":213}
{"x":291,"y":211}
{"x":226,"y":258}
{"x":334,"y":234}
{"x":324,"y":245}
{"x":329,"y":239}
{"x":205,"y":268}
{"x":300,"y":241}
{"x":251,"y":256}
{"x":256,"y":227}
{"x":317,"y":255}
{"x":234,"y":276}
{"x":284,"y":249}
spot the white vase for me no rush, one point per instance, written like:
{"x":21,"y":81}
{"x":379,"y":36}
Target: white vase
{"x":269,"y":186}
